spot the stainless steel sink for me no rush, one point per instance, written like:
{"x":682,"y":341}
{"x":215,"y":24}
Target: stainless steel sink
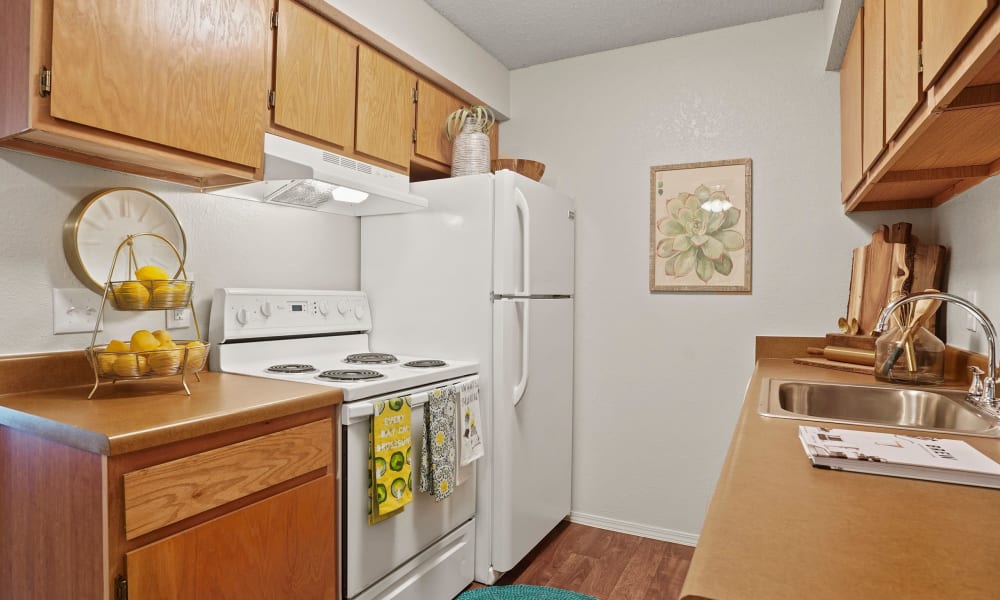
{"x":920,"y":409}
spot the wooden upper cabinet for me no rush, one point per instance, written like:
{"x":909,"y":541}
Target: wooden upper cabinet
{"x":902,"y":64}
{"x":873,"y":83}
{"x":315,"y":66}
{"x":169,"y":89}
{"x":946,"y":23}
{"x":190,"y":75}
{"x":851,"y":110}
{"x":433,"y":107}
{"x":384,"y":126}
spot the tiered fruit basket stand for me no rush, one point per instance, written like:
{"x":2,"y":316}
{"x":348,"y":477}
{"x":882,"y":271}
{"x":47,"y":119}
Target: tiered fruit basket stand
{"x":181,"y":358}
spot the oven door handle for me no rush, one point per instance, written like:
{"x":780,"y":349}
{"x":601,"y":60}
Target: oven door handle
{"x":362,"y":411}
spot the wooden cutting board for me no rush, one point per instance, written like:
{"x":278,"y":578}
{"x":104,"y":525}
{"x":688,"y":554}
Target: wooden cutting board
{"x":877,"y":273}
{"x":815,"y":361}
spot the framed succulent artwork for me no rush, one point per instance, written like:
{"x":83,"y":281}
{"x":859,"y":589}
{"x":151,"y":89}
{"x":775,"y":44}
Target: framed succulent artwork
{"x":700,"y":227}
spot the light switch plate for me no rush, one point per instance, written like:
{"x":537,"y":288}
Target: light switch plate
{"x":75,"y":310}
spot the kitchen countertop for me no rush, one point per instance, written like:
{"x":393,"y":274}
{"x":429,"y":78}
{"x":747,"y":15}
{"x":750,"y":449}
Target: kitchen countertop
{"x":129,"y":416}
{"x":779,"y":528}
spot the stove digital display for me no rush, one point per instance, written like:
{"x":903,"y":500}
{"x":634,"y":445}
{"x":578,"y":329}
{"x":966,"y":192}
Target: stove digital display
{"x":297,"y":306}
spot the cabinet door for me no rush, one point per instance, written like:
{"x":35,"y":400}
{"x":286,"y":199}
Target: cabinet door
{"x":873,"y":83}
{"x":315,"y":67}
{"x":850,"y":111}
{"x":385,"y":108}
{"x":946,"y":23}
{"x":281,"y":547}
{"x":188,"y":74}
{"x":433,"y":107}
{"x":902,"y":67}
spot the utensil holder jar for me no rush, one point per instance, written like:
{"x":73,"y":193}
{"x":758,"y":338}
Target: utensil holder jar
{"x":918,"y":361}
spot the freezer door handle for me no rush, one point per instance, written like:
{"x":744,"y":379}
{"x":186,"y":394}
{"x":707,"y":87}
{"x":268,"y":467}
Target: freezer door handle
{"x":522,"y":383}
{"x":522,"y":208}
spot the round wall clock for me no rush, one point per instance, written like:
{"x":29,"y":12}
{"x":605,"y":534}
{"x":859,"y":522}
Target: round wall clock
{"x":101,"y":221}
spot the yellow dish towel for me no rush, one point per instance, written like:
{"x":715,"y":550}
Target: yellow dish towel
{"x":391,"y":486}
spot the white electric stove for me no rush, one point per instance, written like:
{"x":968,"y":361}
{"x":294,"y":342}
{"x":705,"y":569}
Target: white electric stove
{"x":321,"y":337}
{"x":314,"y":336}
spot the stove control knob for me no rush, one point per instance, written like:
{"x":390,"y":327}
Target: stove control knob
{"x":359,"y":312}
{"x":343,"y":307}
{"x":242,"y":317}
{"x":265,"y":309}
{"x":324,"y":308}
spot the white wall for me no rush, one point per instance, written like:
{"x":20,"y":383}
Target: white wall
{"x":231,"y":242}
{"x":969,"y":225}
{"x":417,"y":29}
{"x":660,"y":377}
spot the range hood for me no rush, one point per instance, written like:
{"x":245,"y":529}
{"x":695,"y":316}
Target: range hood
{"x":299,"y":175}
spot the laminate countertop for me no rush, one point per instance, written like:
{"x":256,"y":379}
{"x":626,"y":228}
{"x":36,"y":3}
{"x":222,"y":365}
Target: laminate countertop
{"x":129,"y":416}
{"x":779,"y":528}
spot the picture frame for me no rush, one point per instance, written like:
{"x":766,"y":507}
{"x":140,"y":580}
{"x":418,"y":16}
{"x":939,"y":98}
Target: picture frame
{"x":700,"y":227}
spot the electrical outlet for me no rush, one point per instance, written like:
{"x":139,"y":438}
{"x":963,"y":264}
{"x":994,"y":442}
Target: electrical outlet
{"x":178,"y":318}
{"x":75,"y":310}
{"x":971,"y":324}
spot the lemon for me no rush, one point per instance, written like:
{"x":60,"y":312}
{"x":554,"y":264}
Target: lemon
{"x":163,"y":337}
{"x":143,"y":340}
{"x":130,"y":365}
{"x":150,"y":272}
{"x":195,"y":355}
{"x":166,"y":360}
{"x":131,"y":294}
{"x":170,"y":295}
{"x":106,"y":362}
{"x":117,"y":346}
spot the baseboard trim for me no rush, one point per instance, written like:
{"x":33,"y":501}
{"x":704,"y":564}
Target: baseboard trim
{"x":647,"y":531}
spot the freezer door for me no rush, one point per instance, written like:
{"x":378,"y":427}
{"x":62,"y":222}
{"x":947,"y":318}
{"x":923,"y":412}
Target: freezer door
{"x":533,"y":422}
{"x":534,"y":238}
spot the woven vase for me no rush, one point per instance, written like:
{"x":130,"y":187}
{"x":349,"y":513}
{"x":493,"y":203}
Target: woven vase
{"x":470,"y":153}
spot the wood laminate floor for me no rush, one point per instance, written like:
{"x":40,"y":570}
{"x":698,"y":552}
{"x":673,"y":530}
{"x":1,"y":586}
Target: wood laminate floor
{"x":604,"y":564}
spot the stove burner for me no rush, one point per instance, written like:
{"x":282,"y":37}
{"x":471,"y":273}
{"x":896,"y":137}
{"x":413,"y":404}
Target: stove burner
{"x":371,"y":358}
{"x":425,"y":364}
{"x":350,"y":375}
{"x":291,"y":368}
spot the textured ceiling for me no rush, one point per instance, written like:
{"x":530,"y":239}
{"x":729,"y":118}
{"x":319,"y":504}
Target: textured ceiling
{"x":521,"y":33}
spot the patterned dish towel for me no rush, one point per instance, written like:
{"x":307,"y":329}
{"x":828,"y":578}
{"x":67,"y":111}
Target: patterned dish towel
{"x":470,"y":427}
{"x":389,"y":459}
{"x":438,"y":460}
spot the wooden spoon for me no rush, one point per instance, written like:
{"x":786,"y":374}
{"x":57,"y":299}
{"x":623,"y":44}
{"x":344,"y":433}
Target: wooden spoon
{"x":925,"y":309}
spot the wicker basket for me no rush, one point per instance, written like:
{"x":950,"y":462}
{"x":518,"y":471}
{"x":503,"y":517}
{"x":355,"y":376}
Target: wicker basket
{"x":529,"y":168}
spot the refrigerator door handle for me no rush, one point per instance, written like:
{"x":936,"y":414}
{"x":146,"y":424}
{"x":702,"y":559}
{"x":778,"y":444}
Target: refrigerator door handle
{"x":522,"y":383}
{"x":522,"y":207}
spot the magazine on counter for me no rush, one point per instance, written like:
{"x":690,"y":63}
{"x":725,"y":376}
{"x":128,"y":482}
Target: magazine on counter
{"x":897,"y":455}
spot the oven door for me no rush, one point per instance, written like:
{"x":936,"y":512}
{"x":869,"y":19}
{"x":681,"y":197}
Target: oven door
{"x":370,"y":553}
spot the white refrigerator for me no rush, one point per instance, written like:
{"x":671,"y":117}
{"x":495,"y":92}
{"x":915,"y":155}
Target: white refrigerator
{"x":485,"y":272}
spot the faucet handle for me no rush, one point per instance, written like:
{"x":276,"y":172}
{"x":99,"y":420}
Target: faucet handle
{"x":976,"y":388}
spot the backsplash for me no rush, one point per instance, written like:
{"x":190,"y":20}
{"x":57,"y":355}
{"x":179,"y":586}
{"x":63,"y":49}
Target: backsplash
{"x":231,"y":243}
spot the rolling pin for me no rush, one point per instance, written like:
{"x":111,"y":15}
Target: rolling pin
{"x":855,"y":356}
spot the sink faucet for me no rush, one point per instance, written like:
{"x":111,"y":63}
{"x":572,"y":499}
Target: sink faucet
{"x":982,"y":393}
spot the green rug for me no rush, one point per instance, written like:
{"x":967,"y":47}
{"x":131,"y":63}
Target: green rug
{"x":521,"y":592}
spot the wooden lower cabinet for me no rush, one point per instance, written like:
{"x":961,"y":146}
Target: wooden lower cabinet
{"x":281,"y":547}
{"x":238,"y":514}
